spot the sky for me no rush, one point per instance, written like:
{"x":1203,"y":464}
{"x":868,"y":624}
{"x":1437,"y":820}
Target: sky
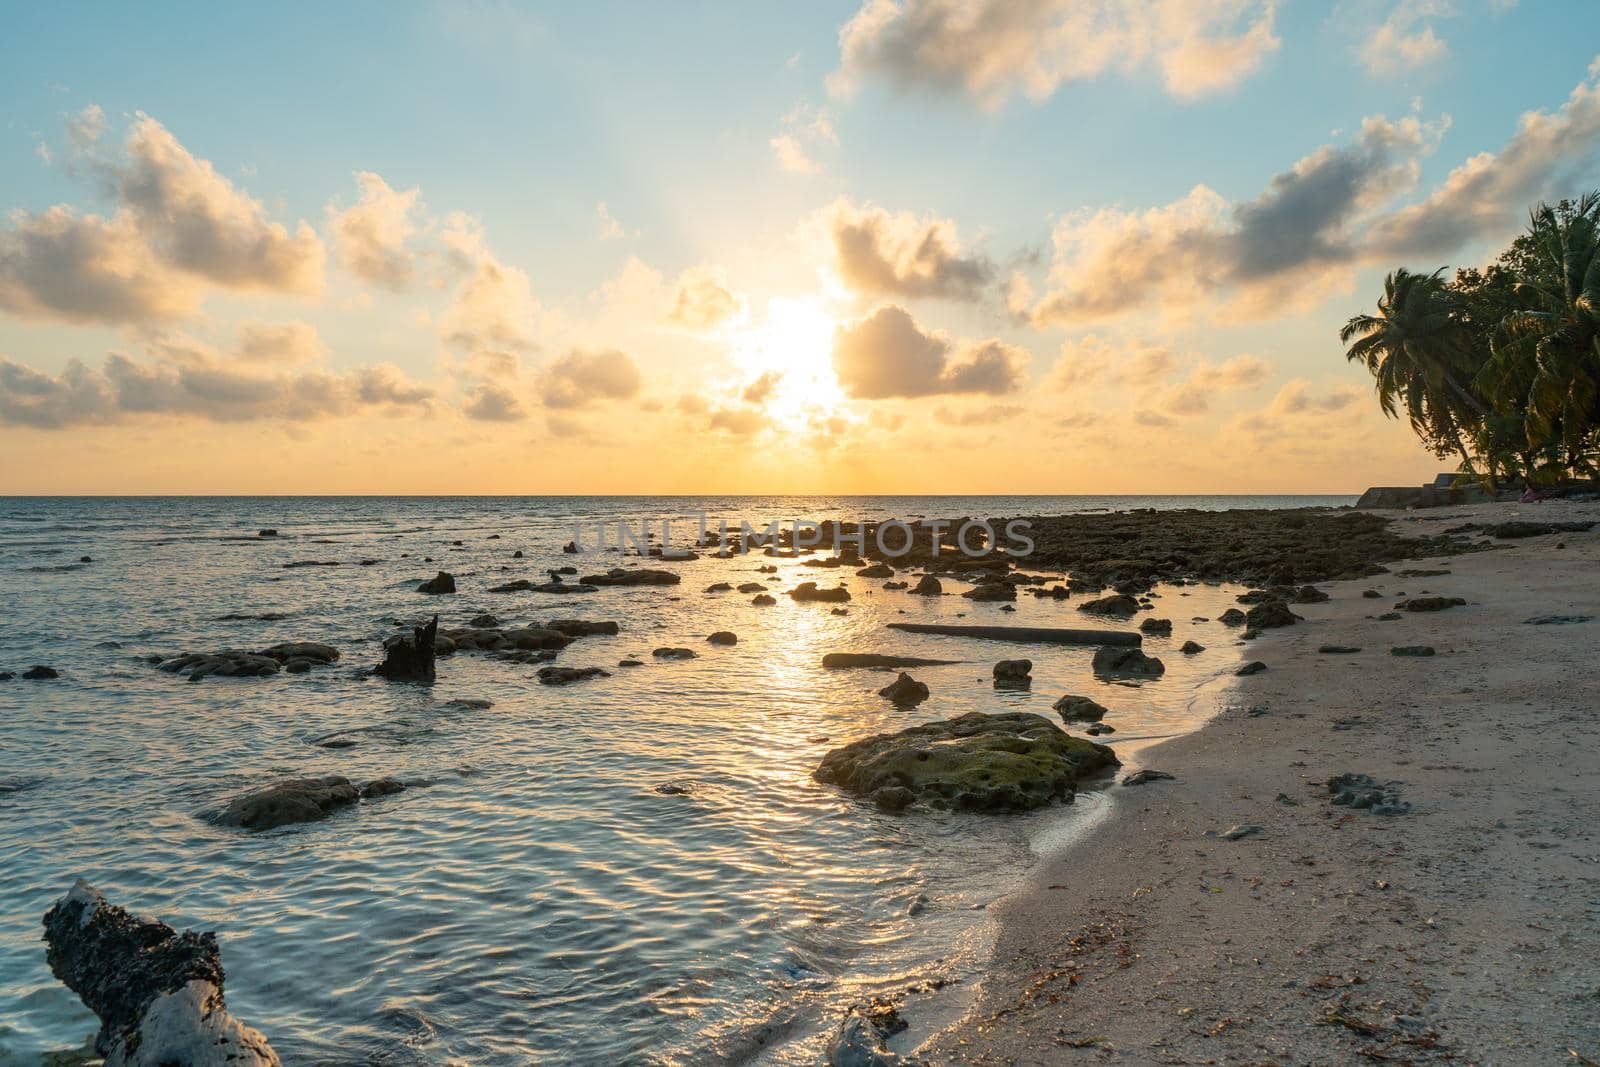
{"x":868,"y":246}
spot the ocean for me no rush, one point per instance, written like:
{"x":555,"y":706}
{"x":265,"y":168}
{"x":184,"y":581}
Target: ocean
{"x":533,"y":896}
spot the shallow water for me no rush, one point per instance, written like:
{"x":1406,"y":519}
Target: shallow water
{"x":538,"y":899}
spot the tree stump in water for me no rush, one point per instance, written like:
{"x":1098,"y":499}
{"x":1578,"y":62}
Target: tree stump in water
{"x":410,"y":659}
{"x":158,"y":993}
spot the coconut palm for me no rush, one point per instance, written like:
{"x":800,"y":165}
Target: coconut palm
{"x":1547,"y":354}
{"x":1415,"y":348}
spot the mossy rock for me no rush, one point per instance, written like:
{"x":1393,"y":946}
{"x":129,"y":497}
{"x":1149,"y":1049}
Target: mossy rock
{"x":975,"y":762}
{"x":1116,"y":604}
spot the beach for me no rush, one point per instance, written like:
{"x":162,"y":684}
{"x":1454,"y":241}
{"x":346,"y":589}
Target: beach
{"x":1464,"y":930}
{"x":606,"y":813}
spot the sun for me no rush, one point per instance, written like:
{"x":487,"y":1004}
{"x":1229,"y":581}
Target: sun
{"x":788,"y":362}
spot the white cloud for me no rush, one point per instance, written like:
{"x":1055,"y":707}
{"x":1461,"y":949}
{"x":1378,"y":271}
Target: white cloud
{"x":992,"y":49}
{"x":494,"y":305}
{"x":580,"y":377}
{"x":1405,"y":40}
{"x":805,"y":131}
{"x":888,"y":355}
{"x":178,"y":230}
{"x":703,"y":300}
{"x":371,"y":235}
{"x":791,"y":155}
{"x":610,"y":228}
{"x":189,"y":379}
{"x":882,"y":254}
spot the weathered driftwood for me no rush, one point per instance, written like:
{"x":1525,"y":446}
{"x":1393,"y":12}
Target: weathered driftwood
{"x":158,"y":993}
{"x":410,"y":659}
{"x":835,"y":660}
{"x":1038,"y":635}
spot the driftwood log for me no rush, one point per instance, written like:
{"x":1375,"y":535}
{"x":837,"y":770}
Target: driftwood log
{"x":158,"y":993}
{"x":1038,"y":635}
{"x":410,"y":658}
{"x":838,"y":660}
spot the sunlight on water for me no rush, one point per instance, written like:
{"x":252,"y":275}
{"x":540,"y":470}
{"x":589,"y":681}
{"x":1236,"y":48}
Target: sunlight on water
{"x":538,"y":899}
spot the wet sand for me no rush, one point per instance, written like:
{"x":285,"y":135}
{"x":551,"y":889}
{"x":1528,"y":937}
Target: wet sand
{"x":1467,"y":930}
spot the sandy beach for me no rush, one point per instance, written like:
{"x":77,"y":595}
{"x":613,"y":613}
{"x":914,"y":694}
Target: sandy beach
{"x":1465,"y":930}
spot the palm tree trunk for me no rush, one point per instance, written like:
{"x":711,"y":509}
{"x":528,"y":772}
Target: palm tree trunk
{"x":1465,"y":395}
{"x":1466,"y":461}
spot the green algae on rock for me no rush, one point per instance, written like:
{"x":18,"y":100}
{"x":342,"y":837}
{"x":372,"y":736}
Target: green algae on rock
{"x":974,"y":762}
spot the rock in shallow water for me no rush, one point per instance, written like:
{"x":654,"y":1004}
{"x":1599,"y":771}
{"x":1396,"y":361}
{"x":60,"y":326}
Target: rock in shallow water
{"x":1112,"y":661}
{"x":444,"y":582}
{"x":290,"y":801}
{"x":1079,"y":709}
{"x":975,"y":762}
{"x":157,"y":993}
{"x":1268,"y":615}
{"x":583,"y":627}
{"x":625,"y":577}
{"x":1013,"y":674}
{"x":568,"y":675}
{"x":1119,"y":604}
{"x":807,"y":592}
{"x":905,"y":691}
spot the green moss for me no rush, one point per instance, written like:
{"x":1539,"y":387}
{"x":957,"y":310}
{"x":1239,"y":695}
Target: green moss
{"x":1010,"y":762}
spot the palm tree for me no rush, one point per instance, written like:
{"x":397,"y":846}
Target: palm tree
{"x":1414,"y":348}
{"x":1547,"y":355}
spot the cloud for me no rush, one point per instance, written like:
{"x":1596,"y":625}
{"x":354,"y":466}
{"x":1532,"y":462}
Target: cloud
{"x":1487,"y":197}
{"x":791,"y":155}
{"x":741,"y":422}
{"x":992,"y":49}
{"x":1333,"y":212}
{"x":198,"y":222}
{"x":1247,"y":257}
{"x":1405,"y":40}
{"x":494,"y":305}
{"x":198,"y":384}
{"x":579,"y":378}
{"x":610,"y":228}
{"x":1093,"y":358}
{"x":805,"y":129}
{"x":491,"y":402}
{"x":888,"y":355}
{"x":985,"y":416}
{"x":88,"y":269}
{"x":1137,"y":364}
{"x":281,"y":342}
{"x":702,"y":300}
{"x":371,"y":235}
{"x":178,"y":229}
{"x":1295,"y":406}
{"x":759,"y":390}
{"x":1194,"y":394}
{"x":885,"y":254}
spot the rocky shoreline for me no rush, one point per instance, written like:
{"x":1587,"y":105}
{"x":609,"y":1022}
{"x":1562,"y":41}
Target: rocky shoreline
{"x":1367,"y":856}
{"x":1108,"y":566}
